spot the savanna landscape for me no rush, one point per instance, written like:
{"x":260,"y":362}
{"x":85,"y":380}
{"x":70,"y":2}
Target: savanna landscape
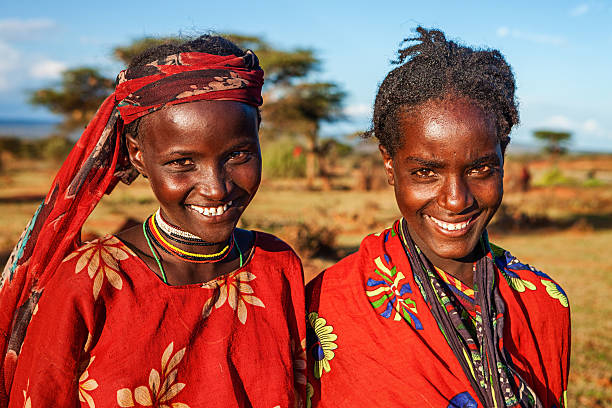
{"x":561,"y":222}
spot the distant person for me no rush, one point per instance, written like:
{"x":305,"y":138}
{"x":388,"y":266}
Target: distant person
{"x":429,"y":313}
{"x":525,"y":178}
{"x":185,"y":309}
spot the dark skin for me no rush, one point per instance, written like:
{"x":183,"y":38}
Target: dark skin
{"x":448,"y":180}
{"x":203,"y":162}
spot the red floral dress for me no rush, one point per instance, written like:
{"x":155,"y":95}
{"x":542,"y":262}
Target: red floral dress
{"x":108,"y":332}
{"x":373,"y":340}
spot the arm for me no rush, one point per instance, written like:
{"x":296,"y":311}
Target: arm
{"x":56,"y":342}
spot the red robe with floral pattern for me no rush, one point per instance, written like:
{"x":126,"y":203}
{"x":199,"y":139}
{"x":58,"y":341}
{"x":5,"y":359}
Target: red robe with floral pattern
{"x":108,"y":332}
{"x":373,"y":341}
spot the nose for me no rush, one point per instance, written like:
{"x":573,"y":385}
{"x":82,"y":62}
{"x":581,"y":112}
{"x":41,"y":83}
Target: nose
{"x":213,"y":182}
{"x":456,"y":195}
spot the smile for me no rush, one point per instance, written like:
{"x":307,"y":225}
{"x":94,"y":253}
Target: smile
{"x":211,"y":211}
{"x":449,"y":226}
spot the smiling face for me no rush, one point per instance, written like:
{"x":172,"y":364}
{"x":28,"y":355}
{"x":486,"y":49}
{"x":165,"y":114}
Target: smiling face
{"x":203,"y":163}
{"x":447,"y":176}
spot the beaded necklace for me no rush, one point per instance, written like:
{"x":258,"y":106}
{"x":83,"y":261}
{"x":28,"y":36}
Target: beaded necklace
{"x":158,"y":260}
{"x":177,"y":234}
{"x":153,"y":231}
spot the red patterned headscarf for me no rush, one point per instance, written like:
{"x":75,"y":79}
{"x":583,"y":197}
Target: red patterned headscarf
{"x":95,"y":165}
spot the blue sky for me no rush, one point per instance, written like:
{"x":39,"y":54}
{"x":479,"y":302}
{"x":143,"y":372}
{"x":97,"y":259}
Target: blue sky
{"x":560,"y":50}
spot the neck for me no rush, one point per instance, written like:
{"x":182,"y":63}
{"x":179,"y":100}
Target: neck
{"x":179,"y":272}
{"x":461,"y":268}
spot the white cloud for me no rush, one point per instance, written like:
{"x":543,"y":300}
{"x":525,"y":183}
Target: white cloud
{"x":530,"y":36}
{"x":559,"y":122}
{"x":20,"y":29}
{"x":579,"y":10}
{"x":47,"y":69}
{"x":359,"y":110}
{"x":587,"y":126}
{"x":503,"y":31}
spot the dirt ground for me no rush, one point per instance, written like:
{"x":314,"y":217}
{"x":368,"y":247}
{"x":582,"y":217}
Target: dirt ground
{"x":564,"y":230}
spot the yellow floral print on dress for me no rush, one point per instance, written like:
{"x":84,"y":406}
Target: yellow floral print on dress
{"x":100,"y":258}
{"x":555,"y":292}
{"x":27,"y":402}
{"x":235,"y":290}
{"x":87,"y":384}
{"x":322,"y":350}
{"x":161,"y":389}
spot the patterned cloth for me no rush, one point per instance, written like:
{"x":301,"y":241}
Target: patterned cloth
{"x":127,"y":339}
{"x":373,"y":339}
{"x":94,"y":166}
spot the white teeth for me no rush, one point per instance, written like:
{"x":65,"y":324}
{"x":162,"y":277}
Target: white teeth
{"x":450,"y":226}
{"x":211,"y":211}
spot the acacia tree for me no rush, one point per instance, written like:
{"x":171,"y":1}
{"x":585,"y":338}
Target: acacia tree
{"x":78,"y":96}
{"x":556,"y":142}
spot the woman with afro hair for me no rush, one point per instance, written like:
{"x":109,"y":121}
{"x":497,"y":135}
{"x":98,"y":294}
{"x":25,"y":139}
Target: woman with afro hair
{"x":428,"y":312}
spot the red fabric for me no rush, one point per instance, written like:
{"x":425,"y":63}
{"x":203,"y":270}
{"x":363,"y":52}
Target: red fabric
{"x":94,"y":166}
{"x":237,"y":341}
{"x":377,"y":357}
{"x":188,"y":77}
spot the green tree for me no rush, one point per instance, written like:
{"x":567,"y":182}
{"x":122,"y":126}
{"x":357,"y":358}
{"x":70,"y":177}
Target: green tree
{"x":78,"y":96}
{"x":556,"y":142}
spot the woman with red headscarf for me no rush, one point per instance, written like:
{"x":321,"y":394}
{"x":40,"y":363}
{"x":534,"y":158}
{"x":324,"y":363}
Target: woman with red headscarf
{"x":185,"y":310}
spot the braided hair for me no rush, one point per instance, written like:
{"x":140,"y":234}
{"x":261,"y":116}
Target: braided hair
{"x":432,"y":67}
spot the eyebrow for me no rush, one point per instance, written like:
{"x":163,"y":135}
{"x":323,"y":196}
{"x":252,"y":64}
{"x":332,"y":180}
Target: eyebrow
{"x":436,"y":164}
{"x":489,"y":158}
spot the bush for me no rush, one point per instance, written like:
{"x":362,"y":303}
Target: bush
{"x":55,"y":147}
{"x":555,"y":177}
{"x":283,"y":158}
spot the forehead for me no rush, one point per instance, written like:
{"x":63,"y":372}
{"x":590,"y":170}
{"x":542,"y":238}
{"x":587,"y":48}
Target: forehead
{"x":210,"y":122}
{"x":442,"y":126}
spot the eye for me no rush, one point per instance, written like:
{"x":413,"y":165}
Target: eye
{"x":182,"y":162}
{"x":239,"y":156}
{"x":424,"y":173}
{"x":481,"y":170}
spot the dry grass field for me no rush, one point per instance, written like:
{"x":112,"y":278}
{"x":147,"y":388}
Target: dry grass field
{"x":564,"y":230}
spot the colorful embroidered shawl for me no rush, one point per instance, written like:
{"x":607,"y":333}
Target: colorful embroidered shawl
{"x":374,"y":341}
{"x":127,"y":339}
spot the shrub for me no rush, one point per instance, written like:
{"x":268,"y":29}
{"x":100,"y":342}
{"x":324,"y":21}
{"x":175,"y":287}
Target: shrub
{"x":554,"y":177}
{"x":283,"y":158}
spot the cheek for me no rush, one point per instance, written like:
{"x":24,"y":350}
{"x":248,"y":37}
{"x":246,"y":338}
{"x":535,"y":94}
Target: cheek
{"x":412,"y":197}
{"x":489,"y":194}
{"x":247,"y":176}
{"x":168,"y":188}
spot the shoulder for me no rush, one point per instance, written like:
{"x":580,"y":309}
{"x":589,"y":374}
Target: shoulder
{"x":272,"y":253}
{"x":91,"y":266}
{"x":344,"y":280}
{"x":527,"y":281}
{"x":271,"y":243}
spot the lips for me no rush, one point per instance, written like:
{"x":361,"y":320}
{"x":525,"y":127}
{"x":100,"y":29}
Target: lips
{"x":454,"y":227}
{"x":211,"y":211}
